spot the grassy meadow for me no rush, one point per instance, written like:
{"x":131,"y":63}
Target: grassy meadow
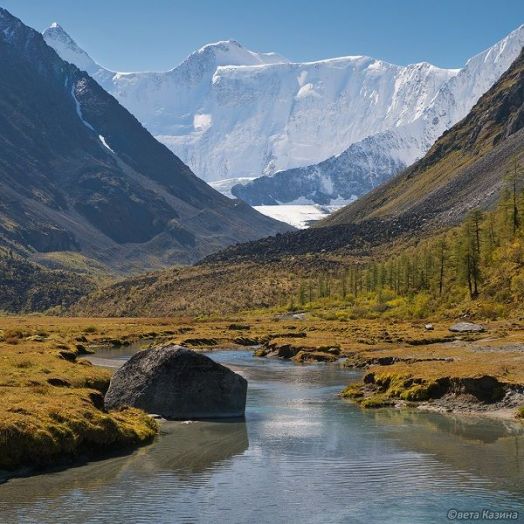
{"x":52,"y":405}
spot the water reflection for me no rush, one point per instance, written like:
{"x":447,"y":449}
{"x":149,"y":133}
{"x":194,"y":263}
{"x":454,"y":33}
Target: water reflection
{"x":182,"y":450}
{"x":474,"y":428}
{"x":303,"y":455}
{"x":188,"y":448}
{"x":486,"y":448}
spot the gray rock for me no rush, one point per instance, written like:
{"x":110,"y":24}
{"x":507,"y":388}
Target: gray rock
{"x":467,"y":327}
{"x":429,"y":327}
{"x":177,"y":383}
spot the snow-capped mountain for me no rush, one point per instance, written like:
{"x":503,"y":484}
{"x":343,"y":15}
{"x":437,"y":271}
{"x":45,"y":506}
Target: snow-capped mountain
{"x":339,"y":179}
{"x":229,"y":112}
{"x":367,"y":163}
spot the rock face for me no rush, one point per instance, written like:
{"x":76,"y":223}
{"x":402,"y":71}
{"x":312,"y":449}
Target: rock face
{"x":339,"y":179}
{"x":178,"y":384}
{"x":467,"y":327}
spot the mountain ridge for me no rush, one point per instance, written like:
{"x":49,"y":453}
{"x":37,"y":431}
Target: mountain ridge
{"x":79,"y":173}
{"x":367,"y":163}
{"x":212,"y":115}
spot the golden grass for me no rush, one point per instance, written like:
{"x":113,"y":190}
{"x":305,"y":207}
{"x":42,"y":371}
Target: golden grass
{"x":52,"y":403}
{"x":43,"y":424}
{"x":52,"y":400}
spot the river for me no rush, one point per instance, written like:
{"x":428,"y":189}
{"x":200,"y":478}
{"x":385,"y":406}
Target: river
{"x":302,"y":455}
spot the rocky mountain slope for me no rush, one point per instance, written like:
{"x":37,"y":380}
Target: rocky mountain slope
{"x":464,"y":170}
{"x":229,"y":112}
{"x":368,"y":163}
{"x":79,"y":173}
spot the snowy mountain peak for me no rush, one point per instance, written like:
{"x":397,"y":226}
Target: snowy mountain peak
{"x":56,"y":32}
{"x":56,"y":37}
{"x":233,"y":53}
{"x":231,"y":112}
{"x":221,"y":44}
{"x":58,"y":27}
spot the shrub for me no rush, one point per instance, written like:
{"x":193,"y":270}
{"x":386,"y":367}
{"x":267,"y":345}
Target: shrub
{"x":421,"y":306}
{"x":358,"y":312}
{"x":13,"y":333}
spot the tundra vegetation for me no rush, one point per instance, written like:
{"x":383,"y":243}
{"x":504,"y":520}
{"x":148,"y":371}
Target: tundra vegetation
{"x":369,"y":312}
{"x":53,"y":397}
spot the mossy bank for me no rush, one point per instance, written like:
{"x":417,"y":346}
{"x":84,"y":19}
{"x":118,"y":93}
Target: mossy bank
{"x":52,"y":398}
{"x":52,"y":410}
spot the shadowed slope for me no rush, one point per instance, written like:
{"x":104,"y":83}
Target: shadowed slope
{"x":79,"y":173}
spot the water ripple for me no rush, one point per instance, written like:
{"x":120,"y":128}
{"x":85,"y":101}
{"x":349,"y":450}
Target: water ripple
{"x":302,"y":456}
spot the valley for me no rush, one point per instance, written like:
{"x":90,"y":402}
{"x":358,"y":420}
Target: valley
{"x":345,"y":234}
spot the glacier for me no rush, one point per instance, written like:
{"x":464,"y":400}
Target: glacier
{"x":230,"y":112}
{"x":317,"y":132}
{"x":367,"y":163}
{"x":300,"y":216}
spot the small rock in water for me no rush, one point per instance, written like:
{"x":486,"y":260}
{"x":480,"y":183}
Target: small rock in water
{"x":428,"y":327}
{"x":467,"y":327}
{"x":178,"y":384}
{"x":291,"y":315}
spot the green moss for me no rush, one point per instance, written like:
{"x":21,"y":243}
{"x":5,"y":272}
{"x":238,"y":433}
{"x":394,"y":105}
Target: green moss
{"x":374,"y":400}
{"x":353,"y":391}
{"x":416,"y":393}
{"x":377,"y":400}
{"x":389,"y":386}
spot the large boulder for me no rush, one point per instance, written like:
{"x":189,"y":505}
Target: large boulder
{"x":178,"y":384}
{"x":467,"y":327}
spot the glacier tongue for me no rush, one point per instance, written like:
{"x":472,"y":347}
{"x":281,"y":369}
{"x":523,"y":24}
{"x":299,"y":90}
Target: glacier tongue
{"x":300,"y":216}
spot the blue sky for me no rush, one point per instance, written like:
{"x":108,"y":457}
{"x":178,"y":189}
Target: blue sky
{"x":128,"y":35}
